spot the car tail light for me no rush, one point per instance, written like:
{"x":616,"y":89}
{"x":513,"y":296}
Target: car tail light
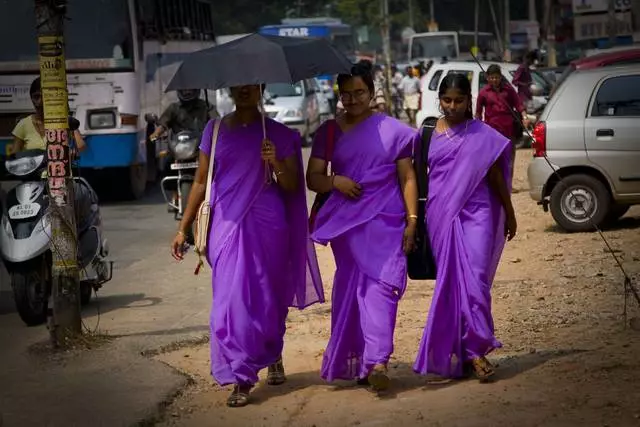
{"x":540,"y":139}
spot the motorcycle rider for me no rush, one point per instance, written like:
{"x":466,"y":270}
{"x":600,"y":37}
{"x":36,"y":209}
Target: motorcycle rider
{"x":189,"y":113}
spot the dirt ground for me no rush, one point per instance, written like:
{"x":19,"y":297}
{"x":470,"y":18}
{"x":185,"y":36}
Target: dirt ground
{"x":567,"y":360}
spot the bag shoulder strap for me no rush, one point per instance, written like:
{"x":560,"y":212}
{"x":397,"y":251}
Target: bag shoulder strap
{"x":421,"y":162}
{"x":214,"y":141}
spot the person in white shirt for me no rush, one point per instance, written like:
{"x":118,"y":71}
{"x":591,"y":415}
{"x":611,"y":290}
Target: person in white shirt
{"x":410,"y":88}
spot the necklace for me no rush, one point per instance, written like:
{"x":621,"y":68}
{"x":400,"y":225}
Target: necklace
{"x":466,"y":126}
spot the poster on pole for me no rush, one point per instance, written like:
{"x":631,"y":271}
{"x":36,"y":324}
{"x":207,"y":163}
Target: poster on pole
{"x":54,"y":82}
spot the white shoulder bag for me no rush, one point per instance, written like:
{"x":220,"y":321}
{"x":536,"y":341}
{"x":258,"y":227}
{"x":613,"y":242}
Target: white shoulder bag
{"x":203,"y":218}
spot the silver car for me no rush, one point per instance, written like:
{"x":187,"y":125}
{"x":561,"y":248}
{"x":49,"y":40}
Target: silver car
{"x":586,"y":164}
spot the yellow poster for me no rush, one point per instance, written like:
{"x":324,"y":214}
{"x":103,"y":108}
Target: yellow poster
{"x":54,"y":82}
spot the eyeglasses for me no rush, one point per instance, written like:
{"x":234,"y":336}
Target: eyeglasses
{"x":356,"y":94}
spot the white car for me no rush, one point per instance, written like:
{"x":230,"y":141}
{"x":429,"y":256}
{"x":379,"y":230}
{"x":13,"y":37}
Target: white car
{"x":430,"y":83}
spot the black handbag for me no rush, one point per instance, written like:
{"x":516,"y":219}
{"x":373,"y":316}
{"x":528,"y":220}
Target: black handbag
{"x":421,"y":263}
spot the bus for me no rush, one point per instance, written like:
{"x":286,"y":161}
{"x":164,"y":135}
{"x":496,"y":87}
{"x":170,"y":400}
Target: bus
{"x":452,"y":45}
{"x":334,"y":30}
{"x":121,"y":54}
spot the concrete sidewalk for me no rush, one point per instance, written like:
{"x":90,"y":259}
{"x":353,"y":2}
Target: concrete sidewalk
{"x":151,"y":303}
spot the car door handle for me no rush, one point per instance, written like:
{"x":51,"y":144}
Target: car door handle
{"x":604,"y":132}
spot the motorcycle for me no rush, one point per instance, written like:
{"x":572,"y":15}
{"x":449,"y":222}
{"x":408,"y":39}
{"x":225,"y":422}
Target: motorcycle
{"x":534,"y":110}
{"x":184,"y":149}
{"x":25,"y":236}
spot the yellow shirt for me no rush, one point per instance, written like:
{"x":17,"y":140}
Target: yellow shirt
{"x":26,"y":131}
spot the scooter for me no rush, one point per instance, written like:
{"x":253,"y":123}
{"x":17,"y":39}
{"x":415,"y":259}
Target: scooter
{"x":25,"y":236}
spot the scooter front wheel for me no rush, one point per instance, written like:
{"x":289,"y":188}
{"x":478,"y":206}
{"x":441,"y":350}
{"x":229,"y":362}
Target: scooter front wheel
{"x":29,"y":284}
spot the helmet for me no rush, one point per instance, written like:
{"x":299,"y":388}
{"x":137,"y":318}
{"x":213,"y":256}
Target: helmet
{"x":186,"y":95}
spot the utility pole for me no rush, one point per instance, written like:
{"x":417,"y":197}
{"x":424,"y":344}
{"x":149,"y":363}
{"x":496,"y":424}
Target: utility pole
{"x":411,"y":14}
{"x":475,"y":27}
{"x":613,"y":30}
{"x":532,"y":10}
{"x":507,"y":30}
{"x":496,"y":26}
{"x":550,"y":31}
{"x":386,"y":48}
{"x":63,"y":320}
{"x":635,"y":10}
{"x":432,"y":12}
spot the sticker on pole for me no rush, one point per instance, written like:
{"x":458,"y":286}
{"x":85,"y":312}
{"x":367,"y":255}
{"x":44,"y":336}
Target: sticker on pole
{"x":27,"y":210}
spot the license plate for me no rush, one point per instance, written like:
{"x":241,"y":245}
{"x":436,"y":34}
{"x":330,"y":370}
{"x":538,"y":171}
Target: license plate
{"x":24,"y":211}
{"x":176,"y":166}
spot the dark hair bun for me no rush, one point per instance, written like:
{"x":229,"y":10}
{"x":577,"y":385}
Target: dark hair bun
{"x":362,"y":68}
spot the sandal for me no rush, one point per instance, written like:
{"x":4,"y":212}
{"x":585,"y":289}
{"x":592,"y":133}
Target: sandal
{"x":482,"y":369}
{"x":275,"y":373}
{"x":239,"y":396}
{"x":378,"y":378}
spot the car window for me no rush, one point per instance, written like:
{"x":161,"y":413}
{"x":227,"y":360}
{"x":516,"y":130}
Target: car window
{"x":618,"y":97}
{"x":433,"y":84}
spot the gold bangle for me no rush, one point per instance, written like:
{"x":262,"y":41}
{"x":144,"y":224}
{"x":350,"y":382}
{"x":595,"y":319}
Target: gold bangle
{"x":412,"y":217}
{"x":181,"y":233}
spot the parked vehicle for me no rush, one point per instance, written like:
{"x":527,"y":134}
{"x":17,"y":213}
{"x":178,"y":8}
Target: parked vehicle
{"x":25,"y":236}
{"x":623,"y":56}
{"x":120,"y":56}
{"x":589,"y":133}
{"x":295,"y":105}
{"x":429,"y":106}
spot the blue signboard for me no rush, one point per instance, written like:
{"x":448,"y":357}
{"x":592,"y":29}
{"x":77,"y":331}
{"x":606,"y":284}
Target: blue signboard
{"x":296,"y":30}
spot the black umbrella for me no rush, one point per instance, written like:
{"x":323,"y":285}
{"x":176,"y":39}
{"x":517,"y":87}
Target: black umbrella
{"x":259,"y":59}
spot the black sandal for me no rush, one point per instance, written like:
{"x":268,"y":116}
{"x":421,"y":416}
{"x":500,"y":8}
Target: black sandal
{"x":275,"y":373}
{"x":239,"y":396}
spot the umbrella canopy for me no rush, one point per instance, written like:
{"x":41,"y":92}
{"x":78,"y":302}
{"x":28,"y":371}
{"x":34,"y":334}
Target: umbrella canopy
{"x":259,"y":59}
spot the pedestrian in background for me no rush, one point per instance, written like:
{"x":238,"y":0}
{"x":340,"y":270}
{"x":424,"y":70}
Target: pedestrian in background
{"x":410,"y":87}
{"x":498,"y":101}
{"x":522,"y":79}
{"x":467,"y":224}
{"x":262,"y":259}
{"x":370,"y":221}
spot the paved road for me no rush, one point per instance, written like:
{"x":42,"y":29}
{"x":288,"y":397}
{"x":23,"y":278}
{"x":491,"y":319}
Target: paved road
{"x":152,"y":302}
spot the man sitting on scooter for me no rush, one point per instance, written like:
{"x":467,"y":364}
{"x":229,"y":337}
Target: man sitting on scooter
{"x":189,"y":113}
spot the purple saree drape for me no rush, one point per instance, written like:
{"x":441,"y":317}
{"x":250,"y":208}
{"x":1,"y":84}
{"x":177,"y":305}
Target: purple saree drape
{"x":466,"y":223}
{"x":366,"y":239}
{"x":259,"y":249}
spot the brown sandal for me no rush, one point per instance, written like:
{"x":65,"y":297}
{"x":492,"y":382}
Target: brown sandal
{"x":239,"y":396}
{"x":378,"y":378}
{"x":275,"y":373}
{"x":482,"y":369}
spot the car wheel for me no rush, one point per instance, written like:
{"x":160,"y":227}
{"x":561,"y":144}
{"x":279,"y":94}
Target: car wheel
{"x":578,"y":202}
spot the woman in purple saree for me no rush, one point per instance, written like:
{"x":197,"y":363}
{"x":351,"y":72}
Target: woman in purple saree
{"x":369,"y":219}
{"x":262,"y":258}
{"x":469,"y":214}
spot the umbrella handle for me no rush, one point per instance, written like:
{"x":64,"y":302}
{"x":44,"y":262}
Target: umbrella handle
{"x":267,"y":167}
